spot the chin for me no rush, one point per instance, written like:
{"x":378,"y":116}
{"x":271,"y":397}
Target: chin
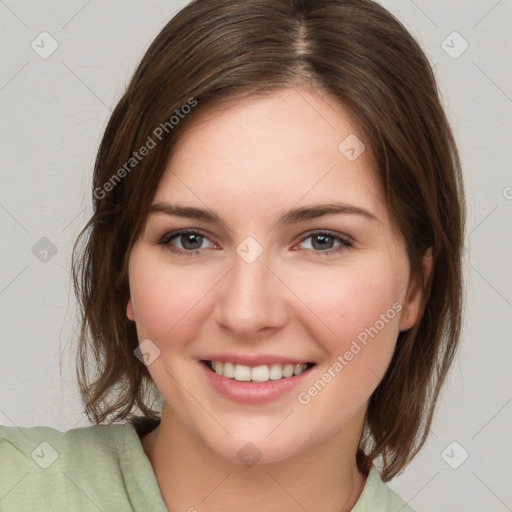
{"x":251,"y":451}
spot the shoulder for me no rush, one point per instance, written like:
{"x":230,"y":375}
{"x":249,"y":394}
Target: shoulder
{"x":44,"y":446}
{"x":93,"y":434}
{"x":378,"y":497}
{"x":99,"y":466}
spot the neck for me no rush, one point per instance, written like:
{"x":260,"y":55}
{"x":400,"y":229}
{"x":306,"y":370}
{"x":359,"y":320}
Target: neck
{"x":192,"y":477}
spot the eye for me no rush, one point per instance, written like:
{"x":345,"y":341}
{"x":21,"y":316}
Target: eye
{"x":186,"y":242}
{"x":325,"y":242}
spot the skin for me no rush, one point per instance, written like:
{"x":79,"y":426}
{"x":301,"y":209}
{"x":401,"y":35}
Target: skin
{"x":250,"y":162}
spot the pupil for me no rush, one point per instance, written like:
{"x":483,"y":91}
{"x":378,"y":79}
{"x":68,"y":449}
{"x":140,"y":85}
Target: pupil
{"x":322,"y":242}
{"x":191,"y":241}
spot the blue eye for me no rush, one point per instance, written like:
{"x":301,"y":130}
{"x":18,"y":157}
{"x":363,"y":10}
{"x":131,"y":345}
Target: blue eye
{"x":186,"y":242}
{"x":192,"y":243}
{"x":325,"y":242}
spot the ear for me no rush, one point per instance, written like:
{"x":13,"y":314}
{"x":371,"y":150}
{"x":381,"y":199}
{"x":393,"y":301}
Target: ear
{"x":413,"y":307}
{"x":129,"y":310}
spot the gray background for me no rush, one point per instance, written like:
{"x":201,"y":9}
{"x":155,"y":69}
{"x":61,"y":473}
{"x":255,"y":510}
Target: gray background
{"x":53,"y":112}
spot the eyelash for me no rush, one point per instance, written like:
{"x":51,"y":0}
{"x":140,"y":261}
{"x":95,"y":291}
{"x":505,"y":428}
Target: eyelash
{"x":344,"y":242}
{"x":166,"y":239}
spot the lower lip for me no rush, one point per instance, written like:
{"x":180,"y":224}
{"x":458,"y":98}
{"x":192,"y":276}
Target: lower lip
{"x":252,"y":392}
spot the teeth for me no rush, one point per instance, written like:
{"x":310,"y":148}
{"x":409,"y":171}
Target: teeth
{"x":242,"y":372}
{"x":299,"y":368}
{"x":261,"y":373}
{"x":229,"y":370}
{"x":276,"y":372}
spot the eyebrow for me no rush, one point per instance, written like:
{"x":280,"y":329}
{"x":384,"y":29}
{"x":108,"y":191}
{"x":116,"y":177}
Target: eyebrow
{"x":189,"y":212}
{"x":293,"y":216}
{"x":313,"y":212}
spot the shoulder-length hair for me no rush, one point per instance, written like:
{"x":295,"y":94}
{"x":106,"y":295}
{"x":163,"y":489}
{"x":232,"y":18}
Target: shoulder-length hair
{"x":213,"y":51}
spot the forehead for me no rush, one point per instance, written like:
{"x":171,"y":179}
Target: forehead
{"x":281,"y":149}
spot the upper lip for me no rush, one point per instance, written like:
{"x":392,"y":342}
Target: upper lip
{"x":256,"y":360}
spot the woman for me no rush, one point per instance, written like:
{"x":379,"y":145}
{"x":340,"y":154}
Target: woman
{"x":271,"y":280}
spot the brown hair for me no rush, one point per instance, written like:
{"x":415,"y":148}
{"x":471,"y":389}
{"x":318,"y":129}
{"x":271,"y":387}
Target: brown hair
{"x":218,"y":50}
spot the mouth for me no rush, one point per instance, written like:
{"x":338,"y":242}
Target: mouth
{"x":261,"y":373}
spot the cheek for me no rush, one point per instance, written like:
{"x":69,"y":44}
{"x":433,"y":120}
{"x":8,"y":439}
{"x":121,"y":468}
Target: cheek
{"x":168,"y":302}
{"x":347,"y":300}
{"x":362,"y":304}
{"x":356,"y":321}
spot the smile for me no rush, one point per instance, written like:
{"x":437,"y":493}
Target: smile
{"x":261,"y":373}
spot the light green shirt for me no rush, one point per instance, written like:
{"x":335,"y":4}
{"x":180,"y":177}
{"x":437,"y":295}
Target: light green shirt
{"x":104,"y":468}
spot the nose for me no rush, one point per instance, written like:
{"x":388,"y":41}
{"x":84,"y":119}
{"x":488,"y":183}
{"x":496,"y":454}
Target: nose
{"x":251,"y":301}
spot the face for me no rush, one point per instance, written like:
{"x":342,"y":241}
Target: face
{"x":269,"y":280}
